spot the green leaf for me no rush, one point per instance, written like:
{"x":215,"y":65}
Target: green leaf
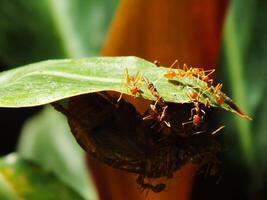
{"x":46,"y":140}
{"x":53,"y":80}
{"x":36,"y":30}
{"x":21,"y":179}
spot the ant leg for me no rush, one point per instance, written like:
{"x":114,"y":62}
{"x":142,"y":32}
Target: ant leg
{"x":168,"y":124}
{"x":174,"y":63}
{"x":192,"y":113}
{"x":185,"y":123}
{"x":127,"y":78}
{"x":120,"y":97}
{"x":203,"y":112}
{"x":207,"y":103}
{"x":199,"y":132}
{"x":147,"y":117}
{"x":137,"y":77}
{"x":185,"y":68}
{"x":217,"y":88}
{"x":163,"y":113}
{"x":211,"y":71}
{"x":217,"y":130}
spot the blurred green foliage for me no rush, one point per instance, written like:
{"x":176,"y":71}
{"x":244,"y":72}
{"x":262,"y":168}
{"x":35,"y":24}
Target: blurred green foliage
{"x":33,"y":30}
{"x":46,"y":139}
{"x":244,"y":68}
{"x":21,"y":179}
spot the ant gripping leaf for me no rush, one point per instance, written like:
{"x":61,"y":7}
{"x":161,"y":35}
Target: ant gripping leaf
{"x":171,"y":74}
{"x":131,"y":82}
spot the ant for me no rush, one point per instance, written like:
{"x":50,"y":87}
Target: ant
{"x":197,"y":118}
{"x":171,"y":74}
{"x":206,"y":77}
{"x":162,"y":106}
{"x":218,"y":93}
{"x":132,"y":81}
{"x":200,"y":73}
{"x":197,"y":114}
{"x":155,"y":188}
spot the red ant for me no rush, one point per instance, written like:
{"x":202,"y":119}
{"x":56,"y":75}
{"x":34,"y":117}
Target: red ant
{"x":171,"y":74}
{"x":218,"y":93}
{"x":197,"y":114}
{"x":131,"y":82}
{"x":156,"y":110}
{"x":200,"y":73}
{"x":206,"y":78}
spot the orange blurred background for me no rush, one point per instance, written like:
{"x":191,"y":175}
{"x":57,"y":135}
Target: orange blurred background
{"x":187,"y":30}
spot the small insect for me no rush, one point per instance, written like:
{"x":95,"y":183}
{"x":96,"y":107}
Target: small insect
{"x":199,"y":73}
{"x":197,"y":114}
{"x":218,"y":94}
{"x":186,"y":71}
{"x":159,"y":108}
{"x":131,"y":82}
{"x":206,"y":77}
{"x":152,"y":89}
{"x":193,"y":95}
{"x":171,"y":74}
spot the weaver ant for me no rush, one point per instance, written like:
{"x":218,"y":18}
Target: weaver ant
{"x":131,"y":82}
{"x":158,"y":112}
{"x":197,"y":114}
{"x":218,"y":94}
{"x":171,"y":74}
{"x":200,"y":73}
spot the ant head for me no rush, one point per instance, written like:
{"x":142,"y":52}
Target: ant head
{"x":193,"y":95}
{"x":206,"y":79}
{"x":134,"y":90}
